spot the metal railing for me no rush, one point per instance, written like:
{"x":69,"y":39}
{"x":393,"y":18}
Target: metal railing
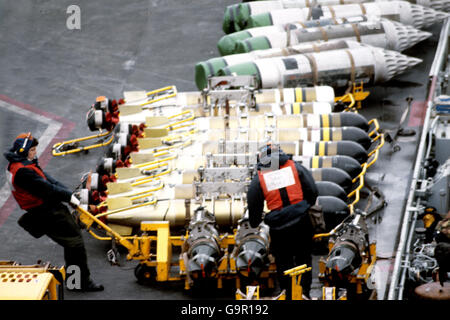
{"x":418,"y":182}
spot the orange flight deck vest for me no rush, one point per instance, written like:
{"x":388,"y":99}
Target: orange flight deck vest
{"x":294,"y":189}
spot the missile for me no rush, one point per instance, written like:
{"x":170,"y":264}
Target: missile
{"x":190,"y":99}
{"x":291,"y":134}
{"x":401,"y":11}
{"x":346,"y":163}
{"x":252,"y":248}
{"x":337,"y":68}
{"x":304,"y":148}
{"x":382,"y":33}
{"x":351,"y":243}
{"x":245,"y":10}
{"x":176,"y":211}
{"x":236,"y":18}
{"x":202,"y":245}
{"x":334,"y":210}
{"x":336,"y":175}
{"x":328,"y":188}
{"x":325,"y":134}
{"x":226,"y":45}
{"x":209,"y":68}
{"x":295,"y":121}
{"x":332,"y":148}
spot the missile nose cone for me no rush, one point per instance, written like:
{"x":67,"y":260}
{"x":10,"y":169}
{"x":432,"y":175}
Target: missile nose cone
{"x":341,"y":259}
{"x":407,"y":36}
{"x":250,"y":262}
{"x":202,"y":265}
{"x":396,"y":63}
{"x":424,"y":17}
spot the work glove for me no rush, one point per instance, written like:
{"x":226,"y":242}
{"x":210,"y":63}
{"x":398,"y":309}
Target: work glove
{"x":74,"y":201}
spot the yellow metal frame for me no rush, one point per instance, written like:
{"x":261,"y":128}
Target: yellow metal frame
{"x":139,"y":249}
{"x":296,"y":277}
{"x":33,"y":282}
{"x":150,"y":93}
{"x":363,"y":274}
{"x":93,"y":146}
{"x":357,"y":95}
{"x":103,"y":134}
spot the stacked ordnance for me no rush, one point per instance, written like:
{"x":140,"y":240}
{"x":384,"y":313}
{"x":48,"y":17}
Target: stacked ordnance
{"x":347,"y":271}
{"x":303,"y":43}
{"x":237,"y":15}
{"x":401,"y":11}
{"x":152,"y":173}
{"x":187,"y":158}
{"x":376,"y":32}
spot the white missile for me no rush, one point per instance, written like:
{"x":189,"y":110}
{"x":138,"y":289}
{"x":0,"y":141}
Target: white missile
{"x":205,"y":69}
{"x":401,"y":11}
{"x":227,"y":43}
{"x":382,"y":33}
{"x":245,"y":10}
{"x":337,"y":68}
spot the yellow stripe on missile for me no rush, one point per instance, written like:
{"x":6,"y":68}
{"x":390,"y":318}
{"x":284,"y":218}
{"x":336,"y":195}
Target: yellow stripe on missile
{"x":315,"y":162}
{"x":325,"y":121}
{"x":298,"y":95}
{"x":326,"y":134}
{"x":322,"y":148}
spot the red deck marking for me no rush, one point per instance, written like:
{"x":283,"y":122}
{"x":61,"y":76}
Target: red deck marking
{"x":67,"y":126}
{"x":417,"y":114}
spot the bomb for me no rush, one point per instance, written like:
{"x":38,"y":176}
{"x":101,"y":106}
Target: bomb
{"x":350,"y":244}
{"x":401,"y":11}
{"x":203,"y":250}
{"x":337,"y":68}
{"x":211,"y":67}
{"x":227,"y":44}
{"x":295,"y":121}
{"x":252,"y":248}
{"x":336,"y":175}
{"x":381,"y":33}
{"x":345,"y":163}
{"x":334,"y":210}
{"x":328,"y":188}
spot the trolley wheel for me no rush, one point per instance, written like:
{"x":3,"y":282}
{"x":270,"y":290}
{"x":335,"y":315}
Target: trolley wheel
{"x":145,"y":274}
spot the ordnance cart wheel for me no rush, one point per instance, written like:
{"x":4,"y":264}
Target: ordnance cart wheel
{"x":145,"y":274}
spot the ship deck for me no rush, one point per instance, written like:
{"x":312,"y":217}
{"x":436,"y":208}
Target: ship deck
{"x":51,"y":75}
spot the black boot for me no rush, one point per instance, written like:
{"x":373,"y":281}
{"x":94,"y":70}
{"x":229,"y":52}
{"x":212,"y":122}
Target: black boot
{"x":87,"y":285}
{"x":90,"y":286}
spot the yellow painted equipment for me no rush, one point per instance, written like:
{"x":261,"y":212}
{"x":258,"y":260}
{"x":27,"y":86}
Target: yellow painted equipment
{"x":72,"y":146}
{"x":358,"y":94}
{"x":105,"y":138}
{"x":30,"y":282}
{"x":296,"y":276}
{"x":157,"y":264}
{"x":252,"y":292}
{"x":360,"y":277}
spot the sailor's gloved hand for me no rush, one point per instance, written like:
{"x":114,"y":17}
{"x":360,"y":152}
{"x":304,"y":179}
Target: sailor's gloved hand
{"x":74,"y":201}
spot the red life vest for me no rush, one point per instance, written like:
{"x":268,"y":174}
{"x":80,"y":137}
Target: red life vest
{"x":25,"y":199}
{"x":294,"y":190}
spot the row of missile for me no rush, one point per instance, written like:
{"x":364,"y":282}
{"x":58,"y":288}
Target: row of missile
{"x":335,"y":173}
{"x":289,"y":51}
{"x":262,"y":13}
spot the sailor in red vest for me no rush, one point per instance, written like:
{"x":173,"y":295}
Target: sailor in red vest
{"x":42,"y":198}
{"x":289,"y":190}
